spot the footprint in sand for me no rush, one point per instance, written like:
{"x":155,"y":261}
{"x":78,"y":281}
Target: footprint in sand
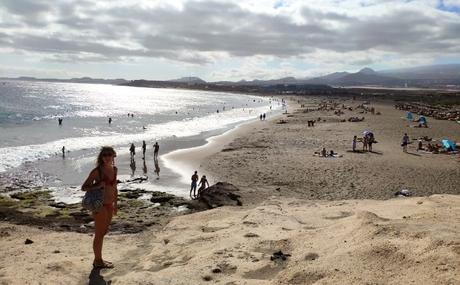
{"x":305,"y":278}
{"x":271,"y":246}
{"x":250,"y":224}
{"x":311,"y":256}
{"x":341,"y":215}
{"x":264,"y":273}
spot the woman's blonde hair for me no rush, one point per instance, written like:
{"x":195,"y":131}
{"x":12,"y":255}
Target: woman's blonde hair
{"x":104,"y":150}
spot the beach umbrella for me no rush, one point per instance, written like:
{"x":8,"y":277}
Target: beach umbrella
{"x":448,"y":144}
{"x":367,"y":132}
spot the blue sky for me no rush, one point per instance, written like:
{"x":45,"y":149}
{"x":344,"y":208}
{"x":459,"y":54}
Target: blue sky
{"x":223,"y":40}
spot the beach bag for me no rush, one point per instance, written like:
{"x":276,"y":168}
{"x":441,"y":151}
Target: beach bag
{"x":94,"y":199}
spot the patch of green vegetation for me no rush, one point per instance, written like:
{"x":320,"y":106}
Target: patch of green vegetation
{"x":136,"y":203}
{"x":6,"y":201}
{"x":31,"y":198}
{"x":45,"y":211}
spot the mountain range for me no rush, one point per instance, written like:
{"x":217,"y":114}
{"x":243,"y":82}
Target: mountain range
{"x":423,"y":76}
{"x":430,"y":76}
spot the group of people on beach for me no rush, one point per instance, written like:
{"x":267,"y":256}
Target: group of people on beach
{"x":132,"y":150}
{"x":367,"y":140}
{"x":156,"y":150}
{"x":203,"y":184}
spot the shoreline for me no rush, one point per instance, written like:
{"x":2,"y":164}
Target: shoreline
{"x":185,"y":161}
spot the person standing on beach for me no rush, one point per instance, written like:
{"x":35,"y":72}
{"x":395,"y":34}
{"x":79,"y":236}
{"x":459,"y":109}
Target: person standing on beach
{"x":370,"y":140}
{"x":144,"y":148}
{"x":110,"y":121}
{"x":132,"y":151}
{"x":63,"y":151}
{"x":104,"y":177}
{"x":156,"y":149}
{"x":365,"y":142}
{"x":353,"y":145}
{"x":405,"y":142}
{"x":263,"y":117}
{"x":193,"y":185}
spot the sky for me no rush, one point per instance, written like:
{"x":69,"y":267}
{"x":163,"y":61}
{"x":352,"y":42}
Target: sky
{"x":223,"y":40}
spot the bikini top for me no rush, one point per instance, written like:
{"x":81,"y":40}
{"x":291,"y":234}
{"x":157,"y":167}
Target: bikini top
{"x":112,"y":181}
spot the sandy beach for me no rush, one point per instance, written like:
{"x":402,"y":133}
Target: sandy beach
{"x":305,"y":219}
{"x":279,"y":159}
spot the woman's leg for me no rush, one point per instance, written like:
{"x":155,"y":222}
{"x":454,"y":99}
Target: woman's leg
{"x":109,"y":219}
{"x":100,"y":229}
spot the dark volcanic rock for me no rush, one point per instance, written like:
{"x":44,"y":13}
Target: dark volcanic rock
{"x":161,"y":197}
{"x":28,"y":241}
{"x":132,"y":194}
{"x":220,"y":194}
{"x":59,"y":205}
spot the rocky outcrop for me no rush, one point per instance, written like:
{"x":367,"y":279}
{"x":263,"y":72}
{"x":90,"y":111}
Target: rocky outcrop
{"x":218,"y":195}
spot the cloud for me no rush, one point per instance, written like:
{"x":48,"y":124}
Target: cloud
{"x":207,"y":32}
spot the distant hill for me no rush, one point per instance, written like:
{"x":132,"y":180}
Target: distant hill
{"x":72,"y":80}
{"x":423,"y":76}
{"x":269,"y":82}
{"x":430,"y":72}
{"x":190,"y":79}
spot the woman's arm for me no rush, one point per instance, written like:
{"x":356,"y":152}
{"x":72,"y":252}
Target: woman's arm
{"x":115,"y":204}
{"x":89,"y":182}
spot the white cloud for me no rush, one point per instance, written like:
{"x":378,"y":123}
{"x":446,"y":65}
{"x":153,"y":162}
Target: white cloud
{"x":321,"y":34}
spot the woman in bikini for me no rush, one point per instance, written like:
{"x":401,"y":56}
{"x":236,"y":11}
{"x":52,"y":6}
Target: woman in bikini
{"x":103,"y":176}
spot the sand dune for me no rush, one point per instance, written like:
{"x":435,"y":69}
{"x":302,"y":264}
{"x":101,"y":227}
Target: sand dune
{"x":398,"y":241}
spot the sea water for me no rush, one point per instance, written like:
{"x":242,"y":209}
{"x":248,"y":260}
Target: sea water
{"x":31,"y":138}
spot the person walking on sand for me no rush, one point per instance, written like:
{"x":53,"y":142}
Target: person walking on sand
{"x":202,"y":184}
{"x":405,"y":142}
{"x":193,"y":185}
{"x":132,"y":151}
{"x":104,"y":177}
{"x":144,"y":148}
{"x":353,"y":145}
{"x":156,"y":149}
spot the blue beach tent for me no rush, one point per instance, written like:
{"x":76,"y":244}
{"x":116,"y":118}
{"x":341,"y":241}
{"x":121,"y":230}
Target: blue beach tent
{"x":409,"y":116}
{"x":422,"y":119}
{"x":448,"y":144}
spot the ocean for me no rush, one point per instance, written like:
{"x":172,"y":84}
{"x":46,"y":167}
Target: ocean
{"x":31,"y":138}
